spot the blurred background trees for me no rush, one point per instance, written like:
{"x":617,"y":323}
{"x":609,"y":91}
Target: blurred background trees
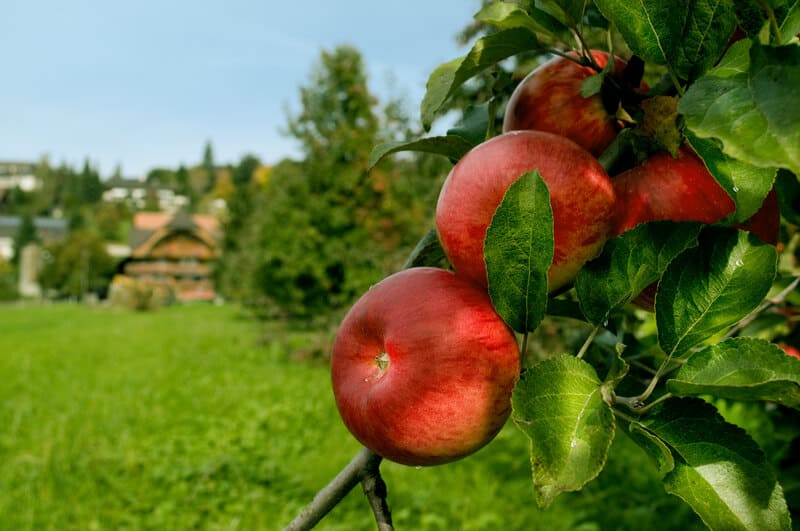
{"x":302,"y":237}
{"x":319,"y":231}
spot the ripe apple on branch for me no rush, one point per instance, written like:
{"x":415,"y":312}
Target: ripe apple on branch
{"x":581,"y":197}
{"x":551,"y":98}
{"x":425,"y":363}
{"x":423,"y":368}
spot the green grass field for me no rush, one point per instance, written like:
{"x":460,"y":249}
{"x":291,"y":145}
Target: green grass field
{"x":196,"y":418}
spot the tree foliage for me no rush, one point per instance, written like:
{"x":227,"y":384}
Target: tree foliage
{"x":322,"y":229}
{"x":77,"y":266}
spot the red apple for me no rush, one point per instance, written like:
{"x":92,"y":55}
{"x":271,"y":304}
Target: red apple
{"x":790,"y":350}
{"x":549,"y":99}
{"x":423,"y":368}
{"x":581,"y":196}
{"x":766,"y":222}
{"x":666,"y":188}
{"x":682,"y":189}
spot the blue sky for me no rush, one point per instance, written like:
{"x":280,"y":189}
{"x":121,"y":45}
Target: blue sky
{"x":147,"y":83}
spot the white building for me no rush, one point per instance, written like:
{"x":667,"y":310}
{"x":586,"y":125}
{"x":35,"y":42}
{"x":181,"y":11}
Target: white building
{"x":18,"y":175}
{"x":135,"y":192}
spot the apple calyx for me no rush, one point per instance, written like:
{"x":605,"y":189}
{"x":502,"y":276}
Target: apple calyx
{"x":382,"y":362}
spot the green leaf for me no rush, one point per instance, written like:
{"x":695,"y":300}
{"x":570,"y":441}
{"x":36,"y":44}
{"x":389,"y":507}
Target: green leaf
{"x":592,"y":85}
{"x":719,"y":471}
{"x":473,"y":123}
{"x":747,"y":185}
{"x":617,"y":372}
{"x":569,"y":12}
{"x":741,"y":369}
{"x":790,"y":21}
{"x":427,"y":252}
{"x":654,"y":447}
{"x":707,"y":29}
{"x":488,"y":51}
{"x":451,"y":146}
{"x":651,"y":28}
{"x":735,"y":62}
{"x":558,"y":404}
{"x":629,"y":263}
{"x":505,"y":15}
{"x":750,"y":16}
{"x":710,"y":287}
{"x":753,"y":113}
{"x":788,"y":188}
{"x":686,"y":35}
{"x":564,"y":308}
{"x":518,"y":250}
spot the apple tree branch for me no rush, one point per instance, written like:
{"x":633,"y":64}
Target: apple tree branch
{"x":364,"y":468}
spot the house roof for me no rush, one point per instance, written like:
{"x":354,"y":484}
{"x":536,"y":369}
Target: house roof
{"x":150,"y":221}
{"x":150,"y":227}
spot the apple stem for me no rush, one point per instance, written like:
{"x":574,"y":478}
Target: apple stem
{"x":648,"y":407}
{"x":675,"y":81}
{"x":572,"y":58}
{"x":364,"y":469}
{"x":662,"y":371}
{"x":586,"y":51}
{"x":588,"y":342}
{"x":773,"y":22}
{"x":654,"y":381}
{"x":637,"y":406}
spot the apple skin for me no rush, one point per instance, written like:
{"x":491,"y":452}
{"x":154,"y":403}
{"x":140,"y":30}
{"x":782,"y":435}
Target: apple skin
{"x":766,"y":222}
{"x":790,"y":350}
{"x":682,"y":189}
{"x":581,"y":196}
{"x":451,"y":364}
{"x":549,"y":99}
{"x":666,"y":188}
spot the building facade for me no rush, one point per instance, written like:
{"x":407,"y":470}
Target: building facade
{"x":175,"y":251}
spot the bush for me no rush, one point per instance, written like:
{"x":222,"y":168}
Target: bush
{"x":139,"y":295}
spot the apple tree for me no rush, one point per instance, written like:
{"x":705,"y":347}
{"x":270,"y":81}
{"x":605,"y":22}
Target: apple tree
{"x":687,"y":298}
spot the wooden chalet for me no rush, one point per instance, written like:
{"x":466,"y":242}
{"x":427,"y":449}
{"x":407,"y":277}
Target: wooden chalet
{"x":177,"y":251}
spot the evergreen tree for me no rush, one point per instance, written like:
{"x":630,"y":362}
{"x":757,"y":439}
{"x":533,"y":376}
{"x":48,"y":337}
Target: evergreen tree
{"x":322,"y":231}
{"x":117,"y":174}
{"x":208,"y":166}
{"x":46,"y":193}
{"x":91,"y":188}
{"x":243,"y":172}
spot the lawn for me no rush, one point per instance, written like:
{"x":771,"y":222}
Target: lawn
{"x":197,"y":417}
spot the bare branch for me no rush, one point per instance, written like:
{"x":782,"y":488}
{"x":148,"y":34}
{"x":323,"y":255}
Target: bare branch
{"x":364,"y":464}
{"x":375,"y":490}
